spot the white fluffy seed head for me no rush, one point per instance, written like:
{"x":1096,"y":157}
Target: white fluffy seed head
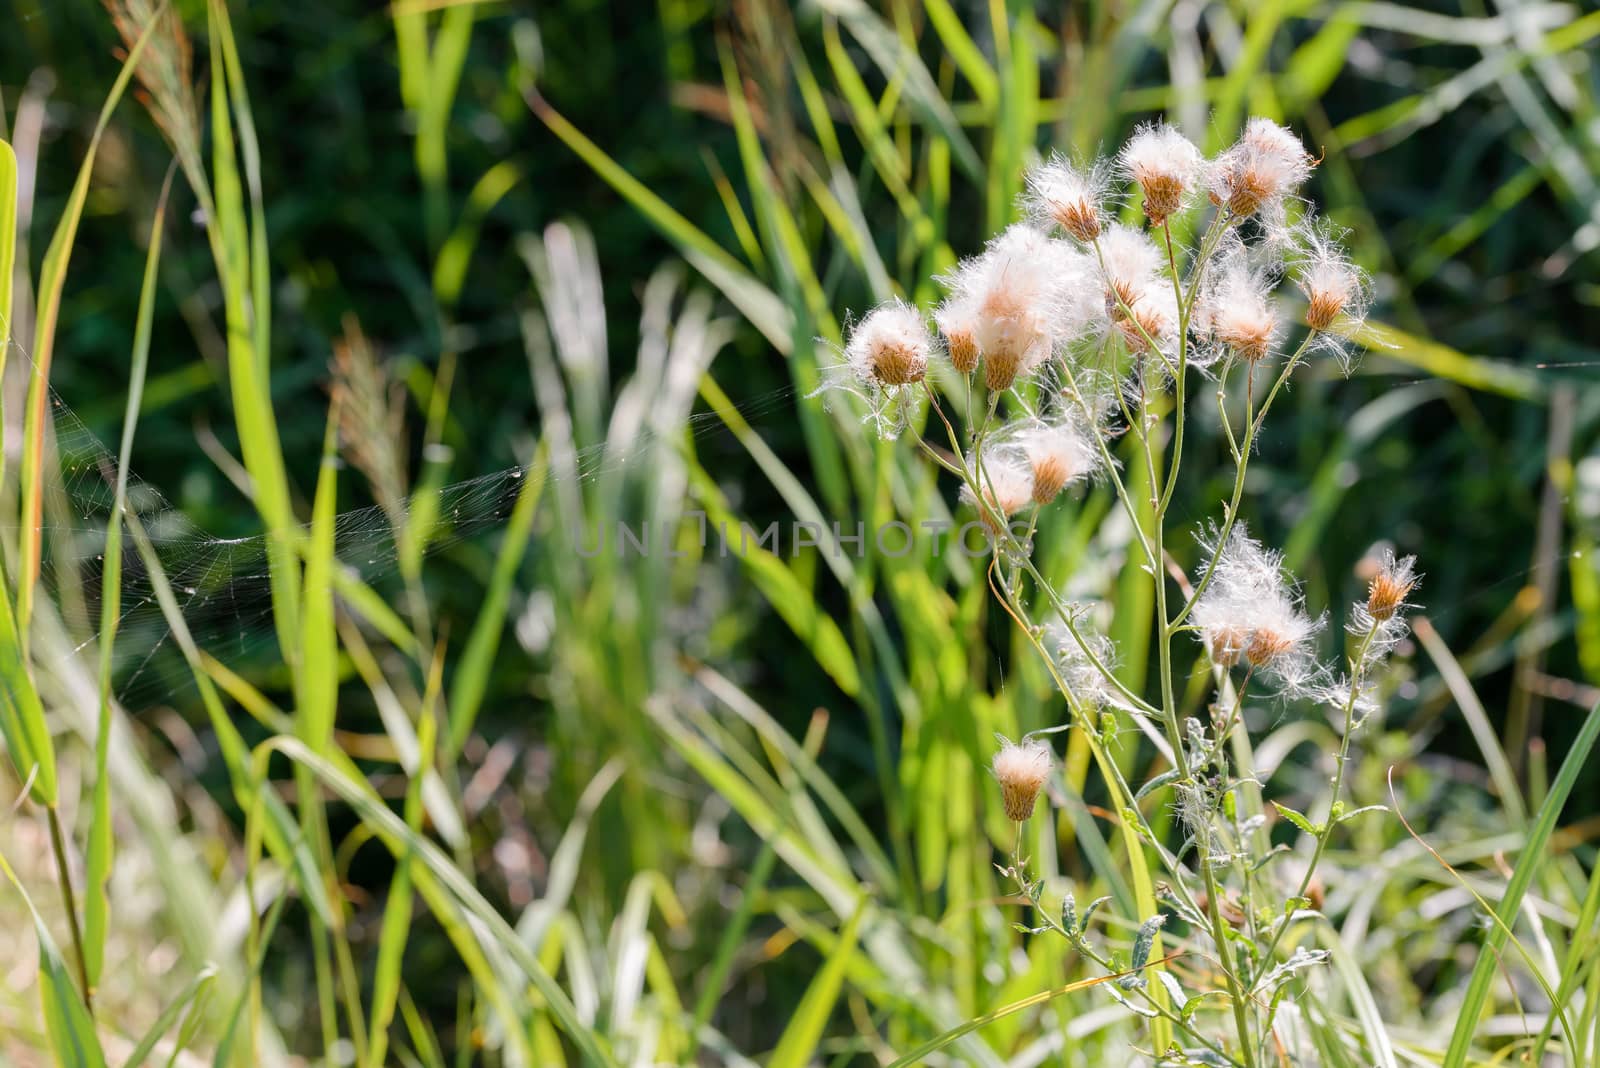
{"x":1153,"y":318}
{"x":1059,"y":451}
{"x":1335,"y":289}
{"x":1022,"y":771}
{"x":1252,"y":613}
{"x":1132,"y":263}
{"x":1010,"y":298}
{"x":1165,"y":166}
{"x":1007,"y":486}
{"x":958,"y":321}
{"x":1064,"y":195}
{"x":1254,"y":175}
{"x":1393,"y":581}
{"x":1237,"y":310}
{"x":1086,"y":682}
{"x":890,"y":347}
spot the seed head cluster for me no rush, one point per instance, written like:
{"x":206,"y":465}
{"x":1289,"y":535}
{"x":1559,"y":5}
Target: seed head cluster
{"x":1069,"y":289}
{"x":1072,"y":313}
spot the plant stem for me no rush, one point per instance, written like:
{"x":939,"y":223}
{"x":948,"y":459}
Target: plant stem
{"x":1081,"y":944}
{"x":1160,"y":498}
{"x":58,"y":846}
{"x":1357,"y":663}
{"x":1252,"y":426}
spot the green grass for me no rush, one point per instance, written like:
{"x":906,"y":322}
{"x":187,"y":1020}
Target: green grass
{"x":495,"y":802}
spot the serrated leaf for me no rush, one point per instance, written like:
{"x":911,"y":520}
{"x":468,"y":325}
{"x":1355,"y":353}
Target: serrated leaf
{"x":1298,"y":819}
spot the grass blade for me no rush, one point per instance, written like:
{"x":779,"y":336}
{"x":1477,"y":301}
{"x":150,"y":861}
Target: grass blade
{"x":52,"y":280}
{"x":919,"y":1055}
{"x":244,"y":305}
{"x":192,"y":998}
{"x":1528,"y":866}
{"x":66,"y":1019}
{"x":806,"y":1026}
{"x":471,"y":679}
{"x":318,"y":679}
{"x":96,"y":906}
{"x":755,"y":301}
{"x":396,"y":925}
{"x":450,"y":894}
{"x":8,"y":246}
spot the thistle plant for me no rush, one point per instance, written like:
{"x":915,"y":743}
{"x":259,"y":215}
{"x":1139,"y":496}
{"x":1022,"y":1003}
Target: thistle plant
{"x":1071,"y":350}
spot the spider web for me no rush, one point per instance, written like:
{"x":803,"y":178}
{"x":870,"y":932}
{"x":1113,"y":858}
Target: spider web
{"x":222,"y":585}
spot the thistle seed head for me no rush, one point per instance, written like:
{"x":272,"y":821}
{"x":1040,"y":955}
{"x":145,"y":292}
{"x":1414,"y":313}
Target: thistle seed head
{"x":1266,"y":164}
{"x":1164,"y":165}
{"x":890,"y":347}
{"x":1393,"y":583}
{"x":1335,"y":289}
{"x":1068,"y":196}
{"x":1059,"y":452}
{"x":1132,"y":264}
{"x":1007,"y":487}
{"x":1011,"y":298}
{"x":1251,"y":611}
{"x":1021,"y":771}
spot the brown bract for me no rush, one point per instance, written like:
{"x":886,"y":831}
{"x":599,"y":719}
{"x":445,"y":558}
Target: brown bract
{"x":897,"y":364}
{"x":1163,"y":194}
{"x":1249,"y":338}
{"x":963,"y":349}
{"x":1387,"y":593}
{"x":1226,"y":645}
{"x":1323,"y":307}
{"x":1050,"y":476}
{"x":1078,"y":218}
{"x":1265,"y":646}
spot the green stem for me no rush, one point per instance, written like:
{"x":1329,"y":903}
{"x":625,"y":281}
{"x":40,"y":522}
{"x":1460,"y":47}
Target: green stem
{"x":1110,"y":464}
{"x":1253,"y":426}
{"x":1169,"y":712}
{"x":1357,"y":664}
{"x":58,"y":845}
{"x":1081,"y":944}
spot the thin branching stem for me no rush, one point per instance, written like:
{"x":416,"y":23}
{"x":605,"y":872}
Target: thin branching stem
{"x":1253,"y":426}
{"x":1080,"y":942}
{"x":1358,"y":665}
